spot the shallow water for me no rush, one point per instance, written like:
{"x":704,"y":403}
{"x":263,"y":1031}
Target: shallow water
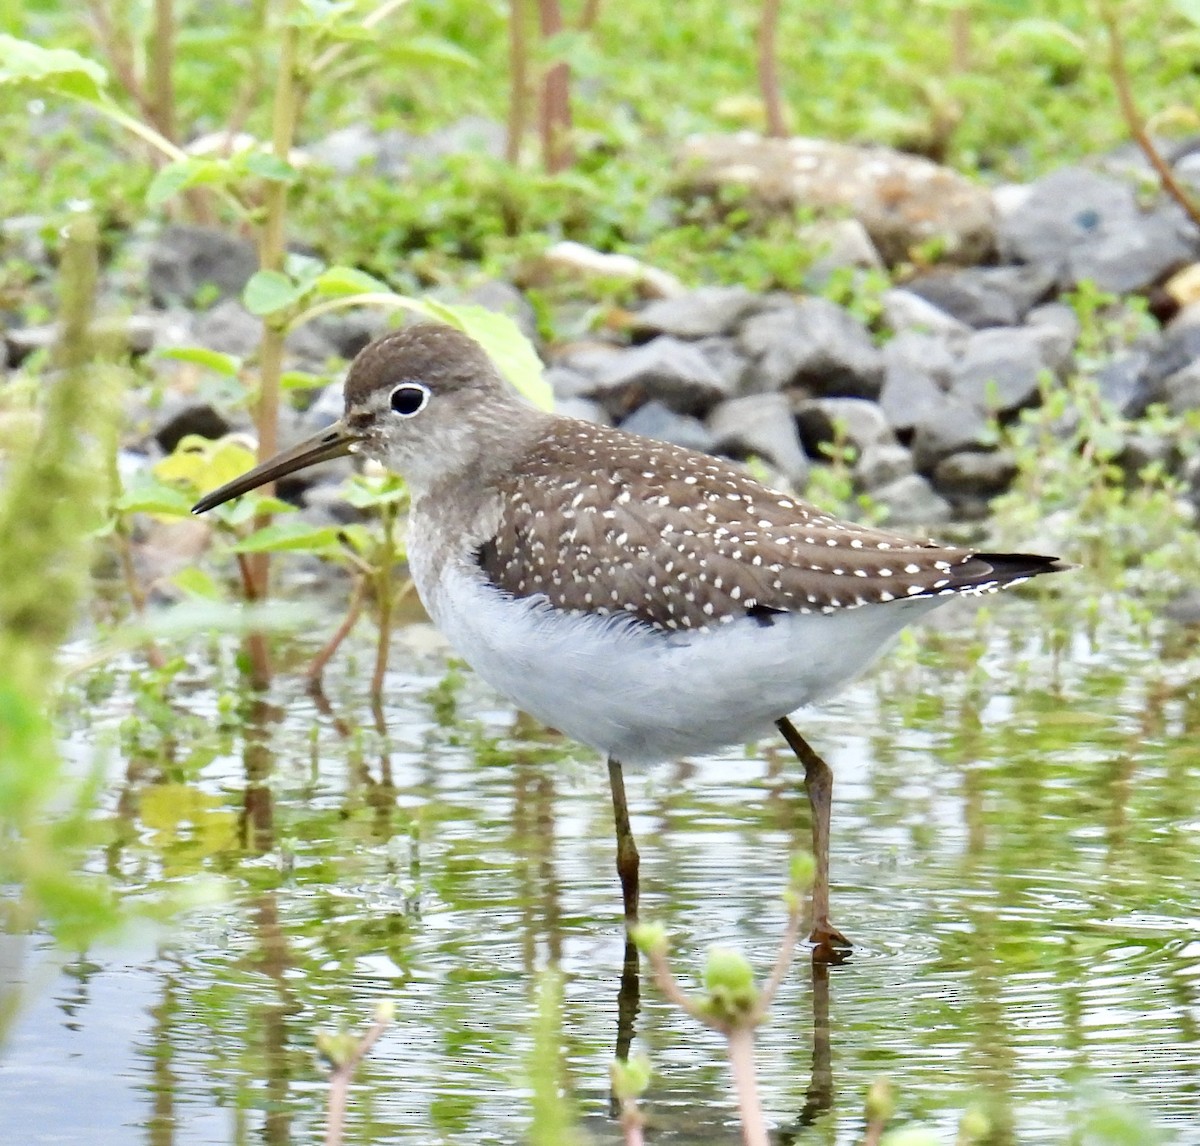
{"x":1016,"y":851}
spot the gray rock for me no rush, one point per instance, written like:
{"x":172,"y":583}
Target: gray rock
{"x":665,"y":369}
{"x":1120,"y":382}
{"x":133,"y":334}
{"x":1000,"y":370}
{"x":727,"y":360}
{"x":23,"y":237}
{"x":852,"y":421}
{"x":954,"y":425}
{"x":701,"y":313}
{"x":181,"y":416}
{"x":1133,"y":257}
{"x":813,"y":345}
{"x":1181,"y":390}
{"x":1145,"y":449}
{"x":582,"y":408}
{"x":471,"y":134}
{"x":975,"y":473}
{"x":349,"y":331}
{"x":903,"y":201}
{"x":228,"y":327}
{"x":328,"y":406}
{"x":1178,"y":348}
{"x":657,"y":420}
{"x":760,"y":425}
{"x":1184,"y":608}
{"x":357,"y":147}
{"x":568,"y":384}
{"x":186,"y":262}
{"x":231,"y":329}
{"x":880,"y":464}
{"x":1067,"y":208}
{"x":912,"y":500}
{"x":918,"y":369}
{"x":838,"y":245}
{"x":1055,"y":327}
{"x":1086,"y":225}
{"x":904,"y":311}
{"x":986,"y":296}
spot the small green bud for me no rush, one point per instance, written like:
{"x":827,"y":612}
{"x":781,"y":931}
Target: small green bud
{"x":974,"y":1126}
{"x":630,"y":1077}
{"x":881,"y":1101}
{"x":385,"y":1010}
{"x":650,"y":938}
{"x":727,"y":969}
{"x":910,"y":1136}
{"x":729,"y":980}
{"x":335,"y":1047}
{"x":802,"y":872}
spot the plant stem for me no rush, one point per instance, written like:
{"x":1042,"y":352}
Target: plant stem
{"x":554,"y":111}
{"x":1133,"y":119}
{"x":353,"y":611}
{"x":631,"y":1123}
{"x":115,"y":45}
{"x":960,"y":38}
{"x":137,"y":598}
{"x":740,"y":1046}
{"x":272,"y":250}
{"x":339,"y":1082}
{"x":665,"y":979}
{"x":589,"y":15}
{"x":387,"y":598}
{"x":768,"y":69}
{"x":518,"y":78}
{"x":783,"y":960}
{"x":161,"y":59}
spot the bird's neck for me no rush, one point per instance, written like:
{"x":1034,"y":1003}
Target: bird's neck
{"x":465,"y":489}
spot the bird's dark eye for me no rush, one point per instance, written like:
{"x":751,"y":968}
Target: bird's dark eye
{"x":409,"y":399}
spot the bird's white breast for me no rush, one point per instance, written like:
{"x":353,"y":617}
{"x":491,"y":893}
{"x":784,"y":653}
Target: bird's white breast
{"x":640,"y":694}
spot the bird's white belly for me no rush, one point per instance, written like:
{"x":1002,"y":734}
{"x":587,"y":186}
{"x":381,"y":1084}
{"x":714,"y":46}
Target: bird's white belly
{"x":642,"y":695}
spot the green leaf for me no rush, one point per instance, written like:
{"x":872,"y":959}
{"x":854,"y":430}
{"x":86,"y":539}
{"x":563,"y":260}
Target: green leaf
{"x":225,"y":364}
{"x":1188,"y":9}
{"x":507,"y":347}
{"x":184,"y":173}
{"x":305,"y":269}
{"x":291,"y":537}
{"x":268,"y":166}
{"x":269,"y":292}
{"x":147,"y":494}
{"x":429,"y":51}
{"x":301,"y":380}
{"x":56,"y":70}
{"x":367,"y":493}
{"x":195,"y":582}
{"x":347,"y":280}
{"x":357,"y":537}
{"x":243,"y":510}
{"x":204,"y":464}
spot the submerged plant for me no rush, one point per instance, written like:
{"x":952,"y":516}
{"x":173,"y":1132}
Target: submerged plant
{"x":734,"y":1005}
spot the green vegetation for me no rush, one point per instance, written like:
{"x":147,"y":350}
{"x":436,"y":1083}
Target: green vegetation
{"x":1020,"y":856}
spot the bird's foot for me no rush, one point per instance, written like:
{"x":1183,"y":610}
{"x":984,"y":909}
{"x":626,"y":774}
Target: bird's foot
{"x":828,"y":944}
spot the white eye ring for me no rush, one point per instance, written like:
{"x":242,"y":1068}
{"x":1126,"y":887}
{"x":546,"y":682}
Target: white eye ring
{"x":409,"y":399}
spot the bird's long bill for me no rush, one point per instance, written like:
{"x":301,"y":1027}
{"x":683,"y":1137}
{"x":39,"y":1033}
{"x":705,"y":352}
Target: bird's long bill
{"x":333,"y":442}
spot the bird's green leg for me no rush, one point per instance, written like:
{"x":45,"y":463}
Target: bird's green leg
{"x":826,"y":939}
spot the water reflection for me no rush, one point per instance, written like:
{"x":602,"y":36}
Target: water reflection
{"x":1018,"y":856}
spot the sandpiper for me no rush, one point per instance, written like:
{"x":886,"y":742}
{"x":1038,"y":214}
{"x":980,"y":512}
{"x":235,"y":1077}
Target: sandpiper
{"x":647,"y":600}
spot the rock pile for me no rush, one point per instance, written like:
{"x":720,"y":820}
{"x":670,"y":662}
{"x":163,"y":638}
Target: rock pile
{"x":914,"y":398}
